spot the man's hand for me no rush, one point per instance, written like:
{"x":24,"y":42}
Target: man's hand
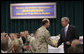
{"x":24,"y":47}
{"x":56,"y":44}
{"x":68,"y":43}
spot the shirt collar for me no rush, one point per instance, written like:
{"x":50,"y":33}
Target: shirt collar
{"x":67,"y":26}
{"x":43,"y":27}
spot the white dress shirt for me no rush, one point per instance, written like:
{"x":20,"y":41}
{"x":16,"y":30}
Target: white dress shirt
{"x":66,"y":28}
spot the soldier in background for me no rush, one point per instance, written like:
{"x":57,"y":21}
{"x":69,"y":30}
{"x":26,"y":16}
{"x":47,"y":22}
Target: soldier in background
{"x":32,"y":42}
{"x":24,"y":35}
{"x":4,"y":43}
{"x":15,"y":44}
{"x":20,"y":42}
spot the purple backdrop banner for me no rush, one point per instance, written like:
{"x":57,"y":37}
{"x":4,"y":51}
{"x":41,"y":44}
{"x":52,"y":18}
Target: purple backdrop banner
{"x":33,"y":10}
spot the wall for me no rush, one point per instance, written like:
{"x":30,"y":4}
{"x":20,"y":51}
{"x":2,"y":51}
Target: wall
{"x":71,"y":9}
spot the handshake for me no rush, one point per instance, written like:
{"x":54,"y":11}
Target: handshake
{"x":67,"y":43}
{"x":56,"y":45}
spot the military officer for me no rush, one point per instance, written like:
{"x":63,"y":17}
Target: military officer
{"x":42,"y":38}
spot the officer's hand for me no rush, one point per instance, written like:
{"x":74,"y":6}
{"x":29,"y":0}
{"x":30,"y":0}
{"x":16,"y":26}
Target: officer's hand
{"x":68,"y":43}
{"x":56,"y":44}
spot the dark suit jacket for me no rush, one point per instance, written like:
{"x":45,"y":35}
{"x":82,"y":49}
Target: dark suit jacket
{"x":71,"y":35}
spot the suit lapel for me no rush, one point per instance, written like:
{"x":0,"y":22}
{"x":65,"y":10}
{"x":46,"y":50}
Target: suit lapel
{"x":68,"y":31}
{"x":63,"y":33}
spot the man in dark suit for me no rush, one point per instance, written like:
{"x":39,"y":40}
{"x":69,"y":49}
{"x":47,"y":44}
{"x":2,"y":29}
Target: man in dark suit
{"x":68,"y":34}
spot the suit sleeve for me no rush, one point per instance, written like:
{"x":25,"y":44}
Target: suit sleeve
{"x":75,"y":33}
{"x":60,"y":41}
{"x":48,"y":39}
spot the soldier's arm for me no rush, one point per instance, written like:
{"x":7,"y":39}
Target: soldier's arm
{"x":21,"y":41}
{"x":32,"y":50}
{"x":9,"y":42}
{"x":29,"y":38}
{"x":48,"y":39}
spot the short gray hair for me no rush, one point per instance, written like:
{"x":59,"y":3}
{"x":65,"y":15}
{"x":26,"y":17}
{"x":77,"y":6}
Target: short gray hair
{"x":66,"y":18}
{"x":44,"y":21}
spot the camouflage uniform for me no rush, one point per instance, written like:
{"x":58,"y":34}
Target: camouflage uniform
{"x":42,"y":40}
{"x":31,"y":44}
{"x":30,"y":40}
{"x":18,"y":42}
{"x":15,"y":41}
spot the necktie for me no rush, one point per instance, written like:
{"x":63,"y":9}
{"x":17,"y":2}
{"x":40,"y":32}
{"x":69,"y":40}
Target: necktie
{"x":65,"y":32}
